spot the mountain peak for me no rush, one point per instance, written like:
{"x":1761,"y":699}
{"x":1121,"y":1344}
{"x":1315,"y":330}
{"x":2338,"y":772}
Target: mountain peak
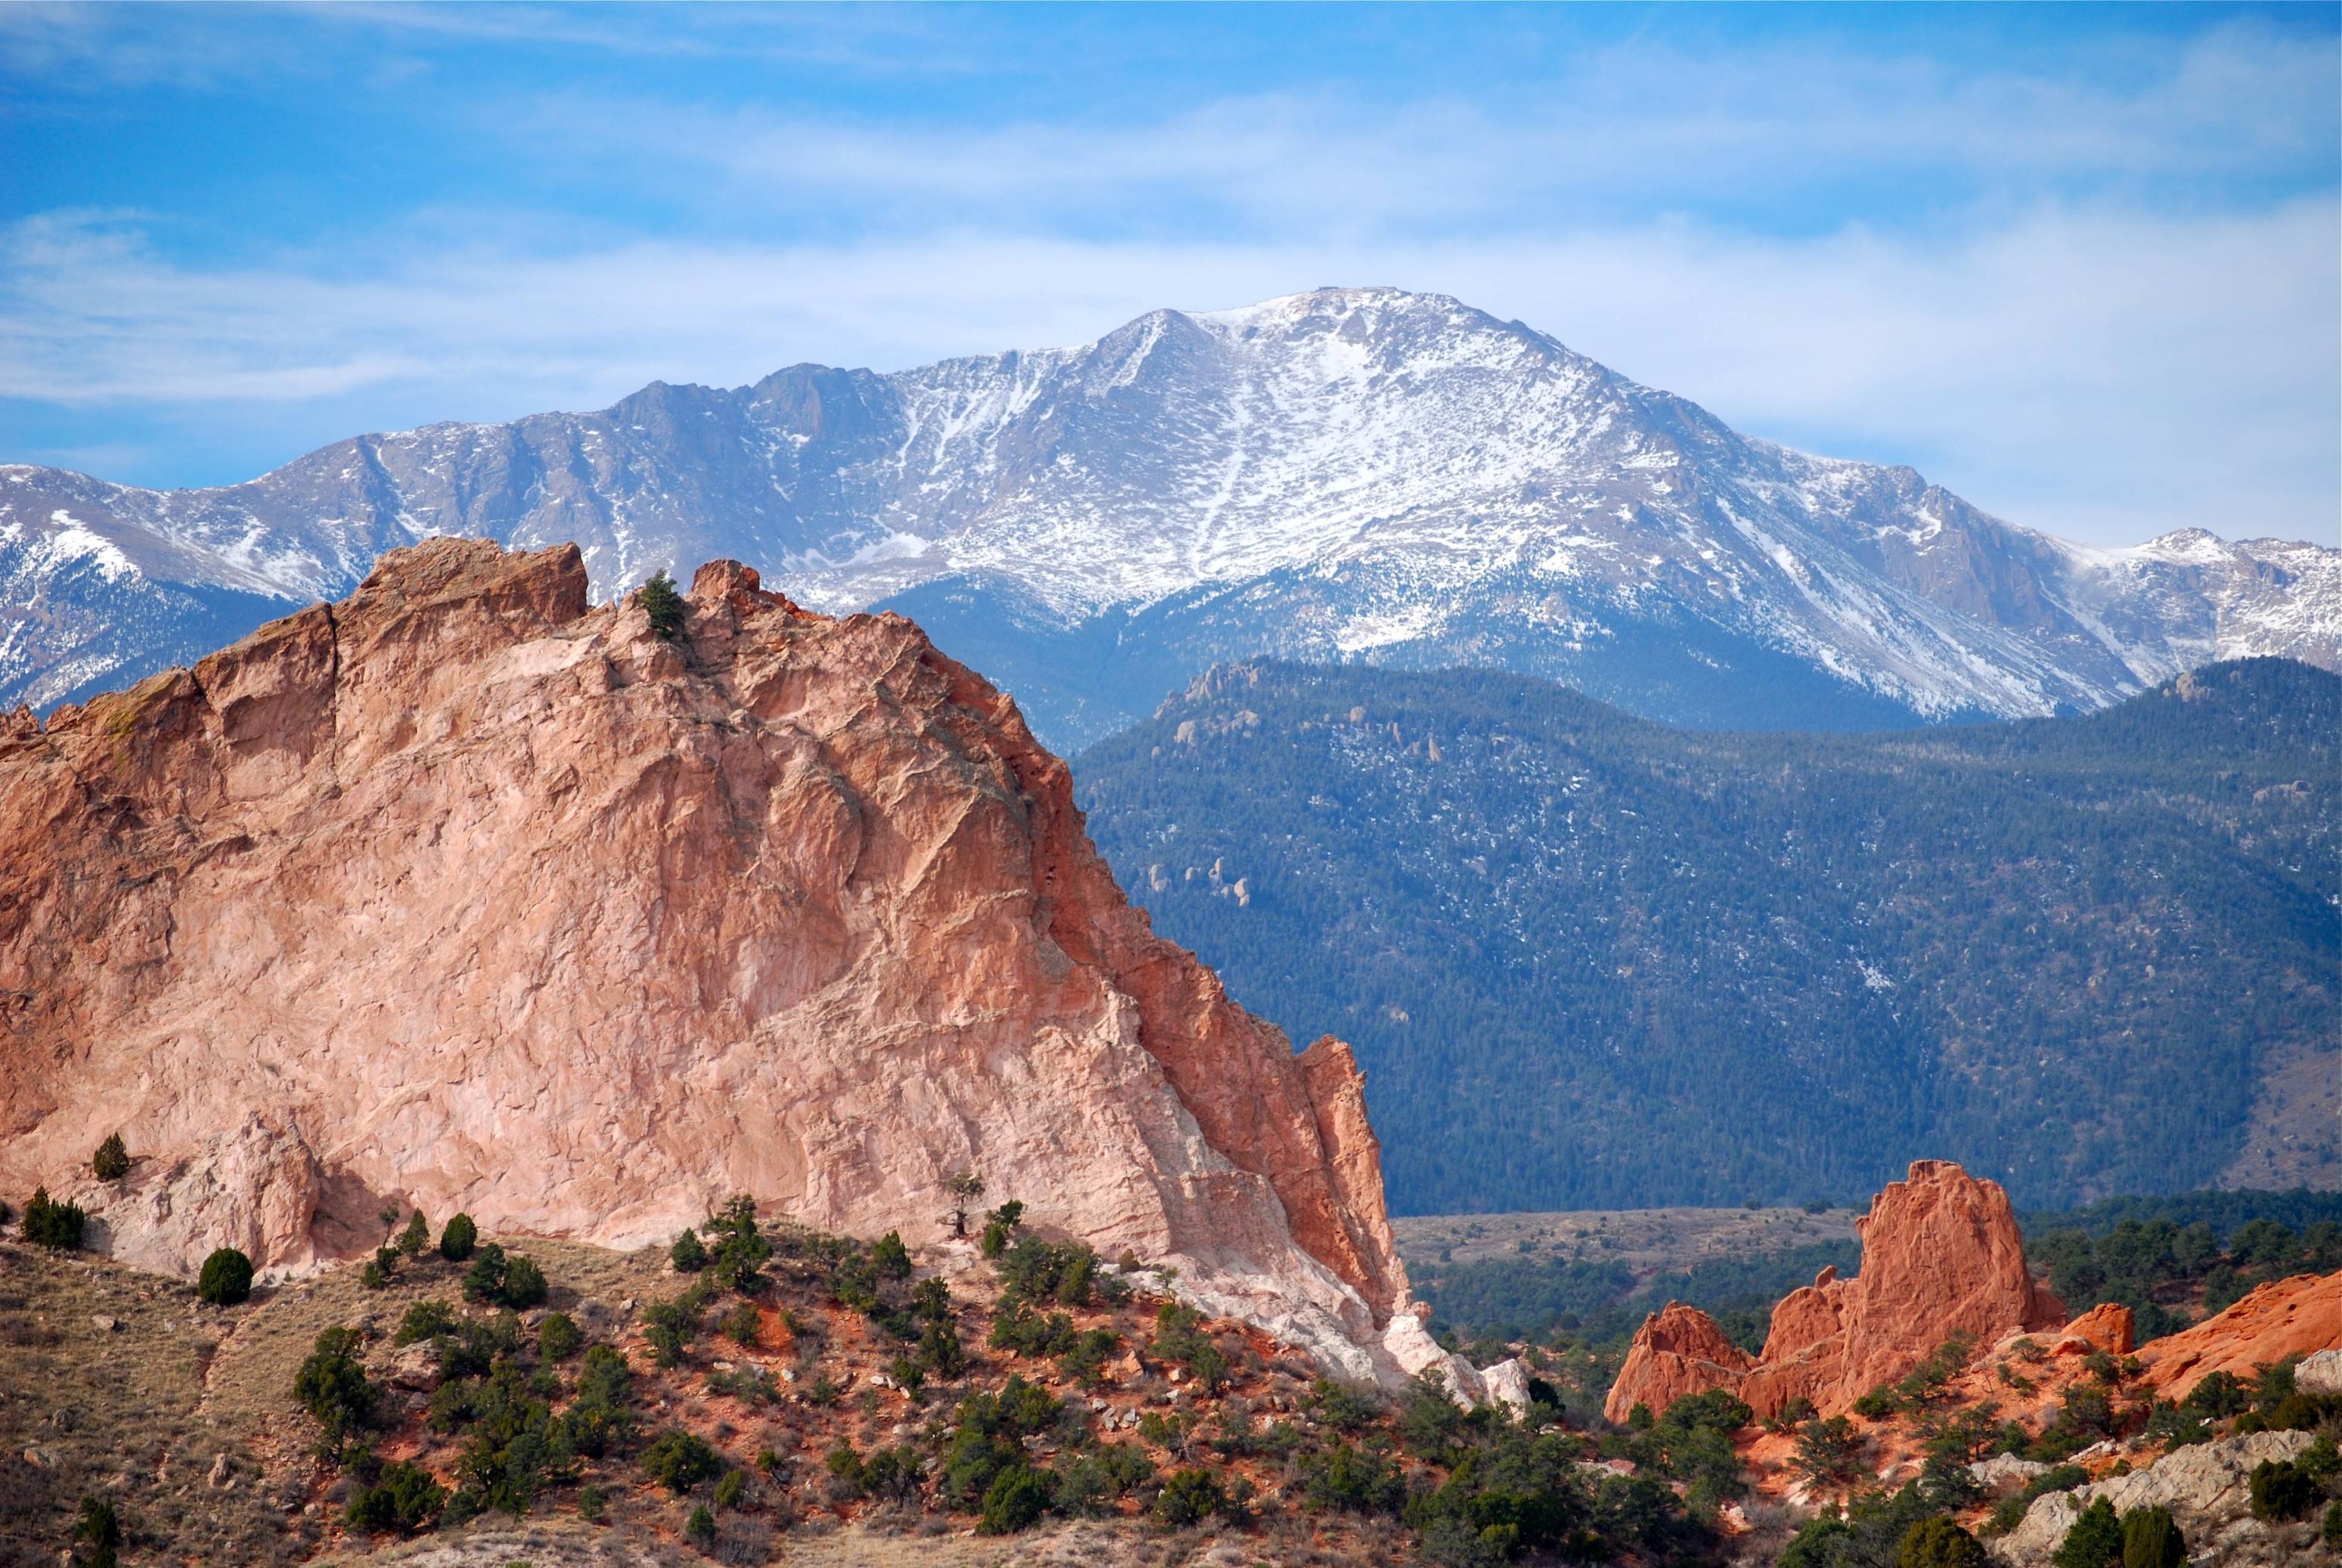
{"x":1347,"y":473}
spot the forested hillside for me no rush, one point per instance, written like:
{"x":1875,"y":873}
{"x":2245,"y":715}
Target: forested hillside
{"x":1589,"y":961}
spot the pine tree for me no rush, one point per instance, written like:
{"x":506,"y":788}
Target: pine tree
{"x":111,"y":1161}
{"x":661,"y":605}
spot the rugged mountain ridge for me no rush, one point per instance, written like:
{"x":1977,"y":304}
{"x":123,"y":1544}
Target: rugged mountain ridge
{"x":1345,"y":474}
{"x":465,"y":893}
{"x":1591,"y":962}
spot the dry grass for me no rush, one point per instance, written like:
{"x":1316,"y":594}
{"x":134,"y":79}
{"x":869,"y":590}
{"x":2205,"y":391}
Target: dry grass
{"x":144,"y":1413}
{"x":88,"y":1411}
{"x":1647,"y":1241}
{"x":184,"y":1415}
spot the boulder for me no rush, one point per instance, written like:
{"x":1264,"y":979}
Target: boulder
{"x":1507,"y":1383}
{"x":470,"y":894}
{"x":2320,"y":1372}
{"x":2005,"y":1473}
{"x":414,"y":1367}
{"x":255,"y":1187}
{"x":1678,"y":1350}
{"x":2106,"y":1327}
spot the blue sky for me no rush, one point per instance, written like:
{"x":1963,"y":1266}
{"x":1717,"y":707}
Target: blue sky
{"x":2081,"y":265}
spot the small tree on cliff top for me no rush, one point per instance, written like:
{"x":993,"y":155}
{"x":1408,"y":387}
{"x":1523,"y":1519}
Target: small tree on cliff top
{"x":661,"y":605}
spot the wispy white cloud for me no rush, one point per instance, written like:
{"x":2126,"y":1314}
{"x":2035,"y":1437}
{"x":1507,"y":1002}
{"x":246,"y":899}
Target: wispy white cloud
{"x":2097,"y":300}
{"x":2106,"y":375}
{"x":1642,"y":125}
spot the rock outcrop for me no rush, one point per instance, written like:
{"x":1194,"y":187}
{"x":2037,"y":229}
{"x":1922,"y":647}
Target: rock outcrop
{"x":1941,"y":1256}
{"x":1678,"y":1351}
{"x":2203,"y":1485}
{"x":2296,"y":1316}
{"x":257,"y":1188}
{"x":486,"y":899}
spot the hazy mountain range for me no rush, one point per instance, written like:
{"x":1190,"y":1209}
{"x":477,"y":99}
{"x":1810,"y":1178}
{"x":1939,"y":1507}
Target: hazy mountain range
{"x":1356,"y":475}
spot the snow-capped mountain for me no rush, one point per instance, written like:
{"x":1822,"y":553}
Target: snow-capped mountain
{"x":1351,"y":474}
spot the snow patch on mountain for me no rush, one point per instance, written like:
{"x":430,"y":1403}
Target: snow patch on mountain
{"x":1344,"y":474}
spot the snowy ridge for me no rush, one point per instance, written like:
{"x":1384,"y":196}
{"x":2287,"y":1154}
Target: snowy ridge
{"x":1345,"y":474}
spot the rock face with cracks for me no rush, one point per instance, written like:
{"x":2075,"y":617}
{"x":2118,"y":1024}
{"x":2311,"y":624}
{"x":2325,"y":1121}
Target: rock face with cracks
{"x":1941,"y":1255}
{"x":2205,"y":1485}
{"x":462,"y":894}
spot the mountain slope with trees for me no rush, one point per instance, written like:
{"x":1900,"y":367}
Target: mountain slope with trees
{"x":1592,"y":961}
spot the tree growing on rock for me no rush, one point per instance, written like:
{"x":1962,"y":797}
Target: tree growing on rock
{"x":111,"y":1161}
{"x":663,"y":607}
{"x":1000,"y":1228}
{"x":966,"y":1188}
{"x":2093,"y":1541}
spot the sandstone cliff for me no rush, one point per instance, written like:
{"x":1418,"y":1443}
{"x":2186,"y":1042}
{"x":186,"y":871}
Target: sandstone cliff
{"x":462,"y":893}
{"x":1941,"y":1255}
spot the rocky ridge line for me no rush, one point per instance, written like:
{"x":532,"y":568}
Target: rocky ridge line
{"x":465,"y":893}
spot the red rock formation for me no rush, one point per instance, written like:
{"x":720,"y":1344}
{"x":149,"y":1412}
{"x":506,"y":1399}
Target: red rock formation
{"x":2297,"y":1316}
{"x":488,"y":899}
{"x":2106,"y":1327}
{"x":1677,"y":1350}
{"x":1941,"y":1256}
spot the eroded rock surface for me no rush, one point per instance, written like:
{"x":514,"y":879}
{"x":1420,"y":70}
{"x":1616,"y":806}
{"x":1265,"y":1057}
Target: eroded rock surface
{"x":2203,"y":1485}
{"x":1941,"y":1255}
{"x":2296,"y":1316}
{"x":485,"y":899}
{"x":1679,"y":1350}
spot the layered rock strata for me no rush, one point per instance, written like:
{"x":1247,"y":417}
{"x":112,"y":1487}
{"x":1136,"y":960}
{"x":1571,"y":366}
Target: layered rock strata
{"x":1941,"y":1256}
{"x":462,"y":893}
